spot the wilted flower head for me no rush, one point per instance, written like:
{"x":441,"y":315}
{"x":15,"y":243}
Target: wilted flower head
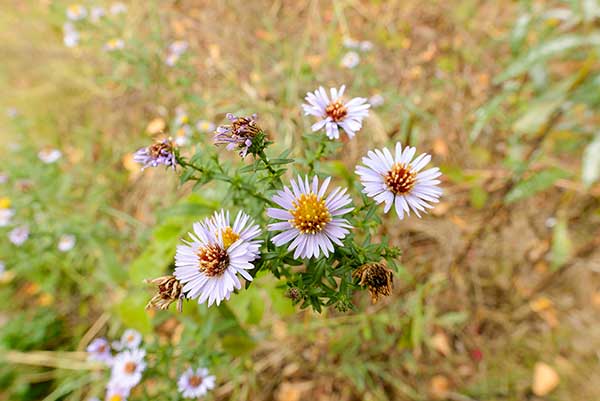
{"x":66,"y":242}
{"x":76,"y":12}
{"x":169,"y":291}
{"x":49,"y":155}
{"x":99,"y":350}
{"x":162,"y":152}
{"x":19,"y":235}
{"x":311,"y":221}
{"x":127,"y":368}
{"x":398,"y":180}
{"x":243,"y":133}
{"x":350,"y":60}
{"x":208,"y":265}
{"x":114,"y":44}
{"x":118,"y":8}
{"x":377,"y":278}
{"x":195,"y":384}
{"x":334,"y":113}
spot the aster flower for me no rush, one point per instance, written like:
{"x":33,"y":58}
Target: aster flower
{"x":398,"y":180}
{"x":130,"y":339}
{"x":114,"y":44}
{"x":242,"y":134}
{"x":49,"y":155}
{"x":175,"y":51}
{"x":6,"y":216}
{"x":208,"y":264}
{"x":377,"y":100}
{"x":127,"y":368}
{"x":99,"y":350}
{"x":118,"y":8}
{"x":3,"y":178}
{"x":19,"y":235}
{"x":96,"y":13}
{"x":160,"y":153}
{"x":366,"y":46}
{"x":70,"y":35}
{"x":350,"y":43}
{"x":169,"y":290}
{"x":116,"y":392}
{"x":205,"y":126}
{"x":76,"y":12}
{"x":312,"y":221}
{"x":334,"y":113}
{"x":66,"y":242}
{"x":195,"y":384}
{"x":377,"y":278}
{"x":2,"y":268}
{"x":350,"y":60}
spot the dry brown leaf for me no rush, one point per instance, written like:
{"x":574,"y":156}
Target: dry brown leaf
{"x":439,"y":386}
{"x":596,"y":299}
{"x":156,"y":126}
{"x":440,"y":147}
{"x":440,"y":343}
{"x":292,"y":391}
{"x":545,"y":379}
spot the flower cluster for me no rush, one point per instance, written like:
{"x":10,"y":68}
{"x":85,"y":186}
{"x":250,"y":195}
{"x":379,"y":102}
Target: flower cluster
{"x":242,"y":134}
{"x":76,"y":13}
{"x":128,"y":364}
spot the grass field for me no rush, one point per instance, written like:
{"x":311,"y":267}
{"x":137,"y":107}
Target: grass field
{"x":496,"y":292}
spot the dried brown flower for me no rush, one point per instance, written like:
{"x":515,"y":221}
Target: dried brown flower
{"x":378,"y":279}
{"x":169,"y":291}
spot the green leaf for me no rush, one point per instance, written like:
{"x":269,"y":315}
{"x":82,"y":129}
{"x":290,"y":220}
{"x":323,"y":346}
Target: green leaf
{"x":553,"y":47}
{"x":238,"y":344}
{"x":478,"y":197}
{"x":561,"y":244}
{"x":534,"y":184}
{"x":519,"y":32}
{"x":484,"y":114}
{"x":590,"y":164}
{"x":132,"y":312}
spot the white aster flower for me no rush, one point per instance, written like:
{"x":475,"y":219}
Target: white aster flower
{"x":99,"y":350}
{"x":19,"y":235}
{"x":178,"y":47}
{"x":130,"y":339}
{"x":350,"y":60}
{"x":398,"y":180}
{"x":76,"y":12}
{"x":127,"y":368}
{"x":114,"y":44}
{"x":2,"y":268}
{"x":334,"y":113}
{"x":6,"y":216}
{"x":93,"y":399}
{"x":377,"y":100}
{"x":205,"y":126}
{"x":311,"y":220}
{"x":71,"y":39}
{"x":208,"y":264}
{"x":66,"y":242}
{"x":96,"y":13}
{"x":49,"y":155}
{"x":117,"y":392}
{"x":366,"y":46}
{"x":195,"y":384}
{"x":3,"y":178}
{"x":118,"y":8}
{"x":350,"y":43}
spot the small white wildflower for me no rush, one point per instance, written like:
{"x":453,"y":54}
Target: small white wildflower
{"x":118,"y":8}
{"x":49,"y":155}
{"x":205,"y":126}
{"x":350,"y":60}
{"x":66,"y":242}
{"x":97,"y":13}
{"x":114,"y":44}
{"x":195,"y":384}
{"x":19,"y":235}
{"x":376,"y":100}
{"x":366,"y":46}
{"x":127,"y":368}
{"x":76,"y":12}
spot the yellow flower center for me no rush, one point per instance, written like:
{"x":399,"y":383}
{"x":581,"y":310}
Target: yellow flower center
{"x":336,"y":110}
{"x":4,"y":203}
{"x":75,"y":9}
{"x":229,"y":236}
{"x":310,"y":214}
{"x":116,"y":397}
{"x":400,"y":179}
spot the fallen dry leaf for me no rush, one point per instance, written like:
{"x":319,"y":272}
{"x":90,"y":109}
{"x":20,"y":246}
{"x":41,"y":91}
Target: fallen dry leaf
{"x":156,"y":126}
{"x":440,"y":343}
{"x":440,"y":147}
{"x":439,"y":386}
{"x":545,"y":379}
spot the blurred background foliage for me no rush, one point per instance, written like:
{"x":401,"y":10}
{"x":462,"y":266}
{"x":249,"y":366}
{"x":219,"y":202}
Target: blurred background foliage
{"x":498,"y":293}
